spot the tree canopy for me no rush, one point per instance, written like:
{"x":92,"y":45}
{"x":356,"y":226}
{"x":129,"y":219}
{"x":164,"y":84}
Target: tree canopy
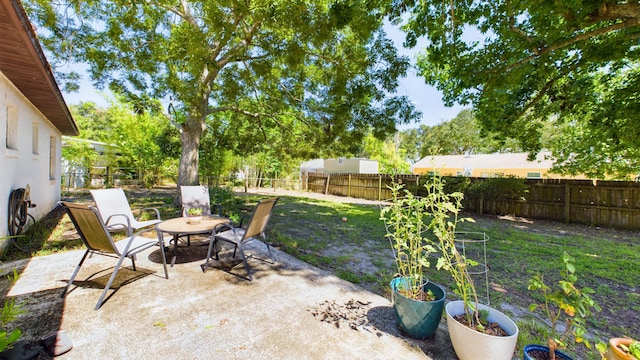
{"x":134,"y":141}
{"x":525,"y":63}
{"x":317,"y":72}
{"x":460,"y":135}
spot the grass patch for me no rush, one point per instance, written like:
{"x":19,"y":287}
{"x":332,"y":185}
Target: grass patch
{"x":357,"y":251}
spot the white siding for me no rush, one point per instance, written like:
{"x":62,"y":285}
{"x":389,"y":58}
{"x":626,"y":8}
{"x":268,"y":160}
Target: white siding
{"x":352,"y":166}
{"x":21,"y":166}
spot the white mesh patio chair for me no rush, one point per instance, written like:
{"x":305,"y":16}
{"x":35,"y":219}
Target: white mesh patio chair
{"x":197,"y":196}
{"x":116,"y":212}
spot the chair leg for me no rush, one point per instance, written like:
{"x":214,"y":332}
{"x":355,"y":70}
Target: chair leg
{"x":264,"y":239}
{"x":212,"y":245}
{"x":244,"y":259}
{"x":113,"y":277}
{"x":216,"y":248}
{"x":164,"y":260}
{"x":133,"y":262}
{"x":75,"y":272}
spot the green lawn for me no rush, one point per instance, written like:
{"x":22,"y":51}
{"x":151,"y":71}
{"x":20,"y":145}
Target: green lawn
{"x":357,"y":251}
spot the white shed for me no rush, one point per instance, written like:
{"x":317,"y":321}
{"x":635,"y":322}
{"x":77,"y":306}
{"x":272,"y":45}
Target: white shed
{"x":350,"y":166}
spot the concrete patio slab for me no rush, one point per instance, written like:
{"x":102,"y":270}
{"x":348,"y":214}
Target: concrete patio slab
{"x":290,"y":311}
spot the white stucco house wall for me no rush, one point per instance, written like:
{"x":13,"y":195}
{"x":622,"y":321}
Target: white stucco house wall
{"x":33,"y":117}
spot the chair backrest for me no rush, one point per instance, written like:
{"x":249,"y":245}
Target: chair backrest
{"x":92,"y":231}
{"x":110,"y":202}
{"x":260,"y":217}
{"x":195,"y":197}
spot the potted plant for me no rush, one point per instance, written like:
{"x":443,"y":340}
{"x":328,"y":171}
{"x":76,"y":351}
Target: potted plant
{"x":568,"y":305}
{"x":477,"y":331}
{"x":417,"y":303}
{"x":194,"y":215}
{"x":623,"y":349}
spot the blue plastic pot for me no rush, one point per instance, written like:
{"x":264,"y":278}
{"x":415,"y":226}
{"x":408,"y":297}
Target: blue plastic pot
{"x":417,"y":319}
{"x":559,"y":355}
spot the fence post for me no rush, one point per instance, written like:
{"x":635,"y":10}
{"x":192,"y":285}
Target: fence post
{"x":567,"y":202}
{"x":379,"y":187}
{"x":349,"y":186}
{"x":275,"y":179}
{"x":326,"y":186}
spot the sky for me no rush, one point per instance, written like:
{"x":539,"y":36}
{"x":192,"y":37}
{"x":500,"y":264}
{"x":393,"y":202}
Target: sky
{"x":425,"y":98}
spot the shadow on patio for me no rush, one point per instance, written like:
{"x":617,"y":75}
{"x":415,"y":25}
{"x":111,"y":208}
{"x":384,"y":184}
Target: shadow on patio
{"x":290,"y":311}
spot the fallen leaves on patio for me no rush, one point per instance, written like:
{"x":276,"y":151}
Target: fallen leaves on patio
{"x":353,"y":313}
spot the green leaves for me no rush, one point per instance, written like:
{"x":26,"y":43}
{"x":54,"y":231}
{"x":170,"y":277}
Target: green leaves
{"x":568,"y":304}
{"x":8,"y":313}
{"x":529,"y":63}
{"x":435,"y":215}
{"x":314,"y":72}
{"x":407,"y":223}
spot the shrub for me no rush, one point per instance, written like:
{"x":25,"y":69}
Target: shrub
{"x":499,"y":188}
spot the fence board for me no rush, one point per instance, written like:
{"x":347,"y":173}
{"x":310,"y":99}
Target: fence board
{"x":613,"y":204}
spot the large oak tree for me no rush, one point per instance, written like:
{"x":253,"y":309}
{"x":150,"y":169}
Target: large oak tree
{"x":572,"y":63}
{"x":316,"y":71}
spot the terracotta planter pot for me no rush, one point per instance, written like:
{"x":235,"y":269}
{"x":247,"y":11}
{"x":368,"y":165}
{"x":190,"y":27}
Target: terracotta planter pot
{"x":614,"y":353}
{"x":470,"y":344}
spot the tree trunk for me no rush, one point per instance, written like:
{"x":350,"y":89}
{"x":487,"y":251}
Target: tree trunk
{"x":190,"y":133}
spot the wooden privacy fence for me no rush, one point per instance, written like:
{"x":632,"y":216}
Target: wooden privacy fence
{"x":614,"y":204}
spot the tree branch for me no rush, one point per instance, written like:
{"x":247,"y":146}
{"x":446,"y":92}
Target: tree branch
{"x":568,"y":42}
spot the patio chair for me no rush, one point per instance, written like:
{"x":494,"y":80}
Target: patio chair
{"x":240,"y":236}
{"x":96,"y":237}
{"x":197,"y":196}
{"x":116,"y":213}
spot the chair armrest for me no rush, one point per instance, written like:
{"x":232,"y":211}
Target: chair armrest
{"x":222,"y":227}
{"x":154,"y":210}
{"x":111,"y":225}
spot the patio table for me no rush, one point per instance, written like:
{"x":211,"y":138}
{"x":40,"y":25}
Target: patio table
{"x":180,"y":226}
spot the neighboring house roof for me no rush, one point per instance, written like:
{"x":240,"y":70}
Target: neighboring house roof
{"x":24,"y":64}
{"x":90,"y":142}
{"x":490,"y":161}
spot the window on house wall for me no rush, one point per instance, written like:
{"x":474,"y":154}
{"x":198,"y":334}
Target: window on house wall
{"x":340,"y":161}
{"x":34,"y":138}
{"x":12,"y":127}
{"x":534,"y":175}
{"x":52,"y":158}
